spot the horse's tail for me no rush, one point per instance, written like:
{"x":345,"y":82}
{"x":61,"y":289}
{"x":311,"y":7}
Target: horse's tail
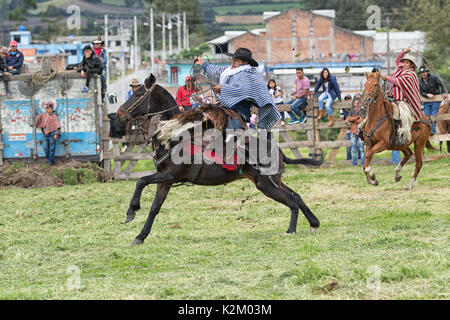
{"x":429,"y":146}
{"x":305,"y":161}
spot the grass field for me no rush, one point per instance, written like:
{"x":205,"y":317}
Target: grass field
{"x":228,"y":242}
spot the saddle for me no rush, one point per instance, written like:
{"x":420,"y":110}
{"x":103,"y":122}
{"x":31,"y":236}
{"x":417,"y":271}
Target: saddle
{"x":401,"y":121}
{"x":231,"y":151}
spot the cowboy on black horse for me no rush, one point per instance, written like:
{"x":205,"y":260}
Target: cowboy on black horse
{"x":240,"y":86}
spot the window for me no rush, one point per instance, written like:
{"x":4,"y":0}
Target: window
{"x":173,"y":74}
{"x":221,"y":48}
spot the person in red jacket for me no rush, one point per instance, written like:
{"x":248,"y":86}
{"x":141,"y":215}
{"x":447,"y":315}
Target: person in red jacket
{"x":184,"y":94}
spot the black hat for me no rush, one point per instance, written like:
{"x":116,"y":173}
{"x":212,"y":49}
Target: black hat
{"x":243,"y":54}
{"x":87,"y":47}
{"x":423,"y":69}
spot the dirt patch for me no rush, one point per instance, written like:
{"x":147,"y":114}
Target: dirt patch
{"x":40,"y":175}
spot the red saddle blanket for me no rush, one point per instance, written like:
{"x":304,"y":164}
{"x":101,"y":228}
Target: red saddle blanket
{"x":192,"y":149}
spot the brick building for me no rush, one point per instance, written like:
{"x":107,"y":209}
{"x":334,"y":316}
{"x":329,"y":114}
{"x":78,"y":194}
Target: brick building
{"x":296,"y":36}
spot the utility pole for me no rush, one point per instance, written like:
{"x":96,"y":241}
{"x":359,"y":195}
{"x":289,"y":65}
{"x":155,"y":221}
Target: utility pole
{"x":169,"y":26}
{"x":187,"y":37}
{"x":163,"y":25}
{"x":135,"y":44}
{"x":184,"y":31}
{"x":152,"y":43}
{"x":388,"y":27}
{"x":107,"y":50}
{"x":122,"y":57}
{"x":179,"y":32}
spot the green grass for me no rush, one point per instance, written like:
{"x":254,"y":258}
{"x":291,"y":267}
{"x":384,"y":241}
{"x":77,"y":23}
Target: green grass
{"x":228,"y":242}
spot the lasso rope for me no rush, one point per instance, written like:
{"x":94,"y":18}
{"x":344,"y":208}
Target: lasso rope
{"x":38,"y":79}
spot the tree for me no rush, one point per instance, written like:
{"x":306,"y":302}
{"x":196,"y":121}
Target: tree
{"x":352,"y":14}
{"x":17,"y":10}
{"x":431,"y":16}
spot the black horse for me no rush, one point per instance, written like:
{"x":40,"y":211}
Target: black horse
{"x":148,"y":100}
{"x":170,"y":174}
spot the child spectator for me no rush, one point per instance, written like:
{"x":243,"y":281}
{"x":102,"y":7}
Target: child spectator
{"x":51,"y":128}
{"x":277,"y":94}
{"x":343,"y":116}
{"x":356,"y":116}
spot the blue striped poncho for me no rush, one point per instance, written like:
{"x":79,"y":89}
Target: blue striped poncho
{"x":246,"y":85}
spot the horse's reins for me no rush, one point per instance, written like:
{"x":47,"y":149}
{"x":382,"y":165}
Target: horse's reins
{"x":374,"y":98}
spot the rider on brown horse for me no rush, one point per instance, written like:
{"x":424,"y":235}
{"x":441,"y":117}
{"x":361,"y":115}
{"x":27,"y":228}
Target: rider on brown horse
{"x":405,"y":85}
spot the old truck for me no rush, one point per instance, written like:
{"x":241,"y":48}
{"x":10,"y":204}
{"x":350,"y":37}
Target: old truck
{"x":79,"y":113}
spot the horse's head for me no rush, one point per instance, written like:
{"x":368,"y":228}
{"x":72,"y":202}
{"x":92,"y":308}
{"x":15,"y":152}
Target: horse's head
{"x":148,"y":99}
{"x":134,"y":105}
{"x":372,"y":89}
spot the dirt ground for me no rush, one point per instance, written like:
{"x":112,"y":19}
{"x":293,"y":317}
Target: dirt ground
{"x":41,"y":175}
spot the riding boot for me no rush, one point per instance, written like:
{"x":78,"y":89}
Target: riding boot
{"x":320,"y":114}
{"x":330,"y":123}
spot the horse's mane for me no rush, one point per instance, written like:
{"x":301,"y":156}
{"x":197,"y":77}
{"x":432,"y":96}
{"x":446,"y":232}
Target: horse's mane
{"x":211,"y":116}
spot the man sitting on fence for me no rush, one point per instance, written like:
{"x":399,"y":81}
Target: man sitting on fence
{"x":101,"y":53}
{"x":299,"y":98}
{"x":14,"y":59}
{"x":4,"y":69}
{"x":91,"y":64}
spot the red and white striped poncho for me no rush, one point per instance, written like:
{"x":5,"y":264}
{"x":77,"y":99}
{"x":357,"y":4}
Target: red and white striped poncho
{"x":405,"y":87}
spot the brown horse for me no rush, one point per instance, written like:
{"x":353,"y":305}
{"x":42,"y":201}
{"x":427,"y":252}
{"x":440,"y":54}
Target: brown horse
{"x":379,"y":131}
{"x":443,"y":126}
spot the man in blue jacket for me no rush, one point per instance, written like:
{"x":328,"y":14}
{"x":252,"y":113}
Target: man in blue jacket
{"x":14,"y":59}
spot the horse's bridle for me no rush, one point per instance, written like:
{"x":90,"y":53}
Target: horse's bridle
{"x":128,"y":113}
{"x":373,"y":99}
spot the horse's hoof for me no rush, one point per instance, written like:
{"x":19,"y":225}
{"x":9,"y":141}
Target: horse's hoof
{"x":313,"y":229}
{"x":375,"y":183}
{"x":397,"y":179}
{"x":130,"y":218}
{"x":137,"y":242}
{"x":289,"y":233}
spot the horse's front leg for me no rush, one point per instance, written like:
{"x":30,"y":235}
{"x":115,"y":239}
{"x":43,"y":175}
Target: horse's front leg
{"x":370,"y":176}
{"x":161,"y":194}
{"x":135,"y":203}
